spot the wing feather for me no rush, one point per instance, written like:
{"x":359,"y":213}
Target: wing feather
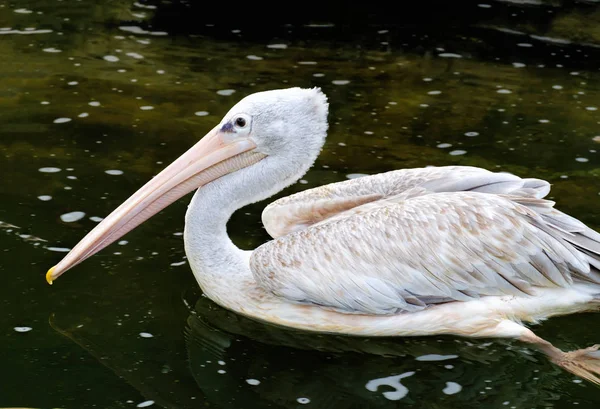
{"x":300,"y":210}
{"x":407,"y":251}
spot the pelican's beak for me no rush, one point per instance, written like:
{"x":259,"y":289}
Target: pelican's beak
{"x":216,"y":155}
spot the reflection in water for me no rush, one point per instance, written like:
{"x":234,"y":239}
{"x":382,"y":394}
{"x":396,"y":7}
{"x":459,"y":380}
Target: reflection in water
{"x":234,"y":361}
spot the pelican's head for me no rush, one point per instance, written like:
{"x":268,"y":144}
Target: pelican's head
{"x":281,"y":129}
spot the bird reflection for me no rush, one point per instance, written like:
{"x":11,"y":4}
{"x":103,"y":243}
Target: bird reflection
{"x":235,"y":362}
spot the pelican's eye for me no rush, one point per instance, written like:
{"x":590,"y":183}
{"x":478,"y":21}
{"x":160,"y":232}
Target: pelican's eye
{"x":240,"y":122}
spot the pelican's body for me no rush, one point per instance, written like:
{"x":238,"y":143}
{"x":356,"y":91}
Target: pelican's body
{"x":449,"y":250}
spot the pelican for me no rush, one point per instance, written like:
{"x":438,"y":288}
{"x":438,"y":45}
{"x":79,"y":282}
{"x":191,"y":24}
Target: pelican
{"x":415,"y":252}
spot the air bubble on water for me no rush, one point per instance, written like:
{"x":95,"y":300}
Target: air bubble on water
{"x":452,"y":388}
{"x":49,"y":169}
{"x":136,"y":56}
{"x":72,"y":217}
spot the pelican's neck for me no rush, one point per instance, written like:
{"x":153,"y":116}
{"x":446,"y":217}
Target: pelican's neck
{"x":210,"y":251}
{"x":216,"y":262}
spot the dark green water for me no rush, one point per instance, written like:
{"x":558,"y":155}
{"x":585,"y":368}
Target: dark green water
{"x":466,"y":84}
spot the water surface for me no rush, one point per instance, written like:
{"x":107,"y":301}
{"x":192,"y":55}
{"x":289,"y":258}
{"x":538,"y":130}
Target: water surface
{"x":96,"y":98}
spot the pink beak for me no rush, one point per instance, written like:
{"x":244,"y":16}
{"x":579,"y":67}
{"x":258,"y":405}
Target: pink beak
{"x":214,"y":156}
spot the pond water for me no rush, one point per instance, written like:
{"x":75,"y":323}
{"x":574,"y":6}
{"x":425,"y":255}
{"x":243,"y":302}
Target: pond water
{"x":97,"y":97}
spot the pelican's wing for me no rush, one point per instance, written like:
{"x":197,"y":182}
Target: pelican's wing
{"x":298,"y":211}
{"x":401,"y":254}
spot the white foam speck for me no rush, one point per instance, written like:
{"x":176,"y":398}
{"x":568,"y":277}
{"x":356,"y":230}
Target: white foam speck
{"x":45,"y":103}
{"x":145,"y":404}
{"x":518,"y":65}
{"x":94,"y":103}
{"x":526,"y":45}
{"x":557,"y":87}
{"x":355,"y":175}
{"x":452,"y":388}
{"x":303,"y":401}
{"x":544,"y":121}
{"x":96,"y":219}
{"x":111,"y":58}
{"x":582,"y":159}
{"x":457,"y":152}
{"x":253,"y":382}
{"x":51,"y":50}
{"x":179,"y":263}
{"x":201,"y":113}
{"x":113,"y":172}
{"x":254,"y":57}
{"x":62,"y":120}
{"x":58,"y":249}
{"x":278,"y":46}
{"x":122,"y":242}
{"x":449,"y":55}
{"x":340,"y":82}
{"x":307,"y":62}
{"x":72,"y":217}
{"x":444,"y":145}
{"x":49,"y":169}
{"x":23,"y":329}
{"x":399,"y":391}
{"x":591,"y":108}
{"x":23,"y":11}
{"x":435,"y":357}
{"x":83,"y":115}
{"x":136,"y":56}
{"x":434,"y":92}
{"x":504,"y":91}
{"x":147,"y":108}
{"x":44,"y":198}
{"x":144,"y":6}
{"x":226,"y":92}
{"x":146,"y":335}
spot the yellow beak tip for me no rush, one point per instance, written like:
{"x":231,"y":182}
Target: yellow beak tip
{"x":49,"y":275}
